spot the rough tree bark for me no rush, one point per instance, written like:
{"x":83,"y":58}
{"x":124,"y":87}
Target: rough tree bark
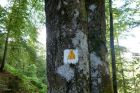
{"x":99,"y":68}
{"x":74,"y":24}
{"x":66,"y":29}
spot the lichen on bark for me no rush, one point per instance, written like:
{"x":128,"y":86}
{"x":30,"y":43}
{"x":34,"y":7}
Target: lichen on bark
{"x":68,"y":27}
{"x":100,"y":76}
{"x":66,"y":30}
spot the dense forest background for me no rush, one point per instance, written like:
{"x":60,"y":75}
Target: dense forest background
{"x":24,"y":56}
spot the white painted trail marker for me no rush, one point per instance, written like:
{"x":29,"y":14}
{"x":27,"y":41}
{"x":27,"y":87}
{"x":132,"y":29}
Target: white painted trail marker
{"x":70,"y":56}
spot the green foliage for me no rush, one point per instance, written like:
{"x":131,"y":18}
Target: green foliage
{"x":29,"y":83}
{"x":126,"y":17}
{"x":22,"y":18}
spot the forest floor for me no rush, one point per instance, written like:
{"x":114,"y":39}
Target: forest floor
{"x":8,"y":82}
{"x":15,"y":82}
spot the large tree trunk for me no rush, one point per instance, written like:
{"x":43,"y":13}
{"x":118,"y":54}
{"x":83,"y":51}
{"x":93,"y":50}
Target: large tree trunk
{"x":66,"y":29}
{"x":99,"y":68}
{"x":71,"y":26}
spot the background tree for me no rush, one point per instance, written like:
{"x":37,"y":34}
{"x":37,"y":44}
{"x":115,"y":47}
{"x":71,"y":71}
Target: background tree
{"x":124,"y":21}
{"x":24,"y":58}
{"x":5,"y":52}
{"x":112,"y":48}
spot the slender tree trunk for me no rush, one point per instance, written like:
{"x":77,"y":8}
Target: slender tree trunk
{"x":66,"y":29}
{"x":100,"y":74}
{"x":5,"y":52}
{"x":113,"y":59}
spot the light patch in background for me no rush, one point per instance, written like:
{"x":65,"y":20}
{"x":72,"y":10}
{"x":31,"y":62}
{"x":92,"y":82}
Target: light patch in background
{"x":3,"y":3}
{"x":118,"y":3}
{"x":131,"y":40}
{"x":42,"y":36}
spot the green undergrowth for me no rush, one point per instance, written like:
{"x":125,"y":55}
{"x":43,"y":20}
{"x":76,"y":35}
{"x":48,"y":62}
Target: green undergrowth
{"x":27,"y":84}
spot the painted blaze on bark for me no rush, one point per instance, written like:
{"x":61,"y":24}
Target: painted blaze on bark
{"x":68,"y":27}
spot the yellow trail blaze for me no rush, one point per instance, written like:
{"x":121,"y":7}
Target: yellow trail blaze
{"x":71,"y":55}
